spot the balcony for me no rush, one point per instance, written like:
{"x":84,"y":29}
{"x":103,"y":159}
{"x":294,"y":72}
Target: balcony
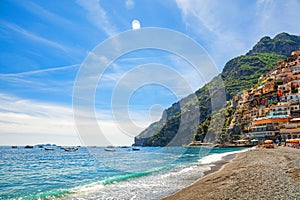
{"x":289,"y":130}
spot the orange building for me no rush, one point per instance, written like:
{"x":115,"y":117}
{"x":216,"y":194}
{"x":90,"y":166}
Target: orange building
{"x":268,"y":87}
{"x":266,"y":127}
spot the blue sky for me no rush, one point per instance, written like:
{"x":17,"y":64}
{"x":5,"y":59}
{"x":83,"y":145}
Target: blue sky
{"x":43,"y":44}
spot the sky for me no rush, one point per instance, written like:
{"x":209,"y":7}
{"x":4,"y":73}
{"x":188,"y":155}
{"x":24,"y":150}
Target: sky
{"x":46,"y":44}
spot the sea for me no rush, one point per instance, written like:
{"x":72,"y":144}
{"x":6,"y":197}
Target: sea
{"x":93,"y":173}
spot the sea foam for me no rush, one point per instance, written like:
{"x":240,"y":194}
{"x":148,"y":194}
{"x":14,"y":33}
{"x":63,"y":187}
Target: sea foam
{"x":213,"y":158}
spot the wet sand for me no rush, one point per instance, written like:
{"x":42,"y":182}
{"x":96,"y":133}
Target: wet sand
{"x":257,"y":174}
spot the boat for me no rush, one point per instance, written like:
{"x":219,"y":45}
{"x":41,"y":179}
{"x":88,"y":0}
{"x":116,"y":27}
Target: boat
{"x":28,"y":147}
{"x":135,"y":149}
{"x":198,"y":144}
{"x":14,"y":147}
{"x":70,"y":148}
{"x":110,"y":148}
{"x":49,"y":148}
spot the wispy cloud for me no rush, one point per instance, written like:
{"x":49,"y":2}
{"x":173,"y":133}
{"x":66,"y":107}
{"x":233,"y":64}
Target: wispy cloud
{"x":97,"y":16}
{"x":34,"y":72}
{"x":34,"y":37}
{"x":44,"y":13}
{"x":277,"y":16}
{"x":54,"y":83}
{"x":213,"y":25}
{"x":228,"y":30}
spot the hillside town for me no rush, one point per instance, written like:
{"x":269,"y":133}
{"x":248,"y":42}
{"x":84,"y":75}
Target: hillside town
{"x":271,"y":109}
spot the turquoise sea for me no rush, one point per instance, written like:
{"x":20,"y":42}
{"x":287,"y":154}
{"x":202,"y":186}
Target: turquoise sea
{"x":93,"y":173}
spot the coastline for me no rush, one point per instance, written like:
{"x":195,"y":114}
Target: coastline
{"x":255,"y":174}
{"x":219,"y":165}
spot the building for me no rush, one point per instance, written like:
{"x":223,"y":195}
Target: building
{"x":279,"y":111}
{"x":271,"y":109}
{"x":266,"y":128}
{"x":290,"y":130}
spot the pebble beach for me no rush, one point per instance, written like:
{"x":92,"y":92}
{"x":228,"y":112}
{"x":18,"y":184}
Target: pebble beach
{"x":255,"y":174}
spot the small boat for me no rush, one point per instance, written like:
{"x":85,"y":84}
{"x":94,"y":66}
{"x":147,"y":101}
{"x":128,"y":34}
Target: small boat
{"x":135,"y":149}
{"x":70,"y":148}
{"x":14,"y":147}
{"x":28,"y":147}
{"x":110,"y":148}
{"x":198,"y":144}
{"x":49,"y":148}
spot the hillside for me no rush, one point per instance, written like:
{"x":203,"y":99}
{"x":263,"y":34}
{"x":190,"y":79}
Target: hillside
{"x":238,"y":74}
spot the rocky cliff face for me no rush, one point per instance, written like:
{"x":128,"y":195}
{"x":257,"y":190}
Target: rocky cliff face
{"x":192,"y":115}
{"x":282,"y":44}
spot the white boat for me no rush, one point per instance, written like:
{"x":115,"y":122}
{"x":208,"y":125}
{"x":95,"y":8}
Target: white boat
{"x":110,"y":148}
{"x":198,"y":144}
{"x":49,"y":148}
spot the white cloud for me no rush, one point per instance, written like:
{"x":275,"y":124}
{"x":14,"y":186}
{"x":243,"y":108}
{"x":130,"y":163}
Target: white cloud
{"x":278,"y":16}
{"x":231,"y":29}
{"x":30,"y":120}
{"x":42,"y":82}
{"x":97,"y":16}
{"x":209,"y":21}
{"x":25,"y":121}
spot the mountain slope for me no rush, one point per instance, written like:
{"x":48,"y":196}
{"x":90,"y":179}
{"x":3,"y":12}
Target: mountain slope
{"x":180,"y":123}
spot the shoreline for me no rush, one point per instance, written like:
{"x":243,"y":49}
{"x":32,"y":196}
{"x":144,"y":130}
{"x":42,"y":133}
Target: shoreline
{"x":255,"y":174}
{"x":215,"y":167}
{"x":219,"y":165}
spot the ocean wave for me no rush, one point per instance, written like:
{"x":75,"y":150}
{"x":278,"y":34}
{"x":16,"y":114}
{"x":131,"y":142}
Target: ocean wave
{"x":215,"y":157}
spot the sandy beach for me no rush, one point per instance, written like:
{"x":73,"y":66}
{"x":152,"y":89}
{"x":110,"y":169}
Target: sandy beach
{"x":256,"y":174}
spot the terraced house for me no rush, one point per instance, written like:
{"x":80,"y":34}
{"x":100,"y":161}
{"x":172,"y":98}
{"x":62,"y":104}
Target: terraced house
{"x":271,"y":109}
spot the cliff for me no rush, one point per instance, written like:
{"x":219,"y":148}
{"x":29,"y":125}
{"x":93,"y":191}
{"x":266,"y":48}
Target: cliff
{"x":181,"y":123}
{"x":282,"y":44}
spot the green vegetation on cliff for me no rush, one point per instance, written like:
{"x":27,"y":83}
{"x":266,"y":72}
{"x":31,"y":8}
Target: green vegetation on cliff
{"x":242,"y":72}
{"x":182,"y":122}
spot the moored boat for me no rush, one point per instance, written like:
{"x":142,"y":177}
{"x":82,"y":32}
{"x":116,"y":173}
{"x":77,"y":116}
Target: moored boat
{"x":110,"y":148}
{"x":198,"y":144}
{"x":70,"y":148}
{"x":49,"y":148}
